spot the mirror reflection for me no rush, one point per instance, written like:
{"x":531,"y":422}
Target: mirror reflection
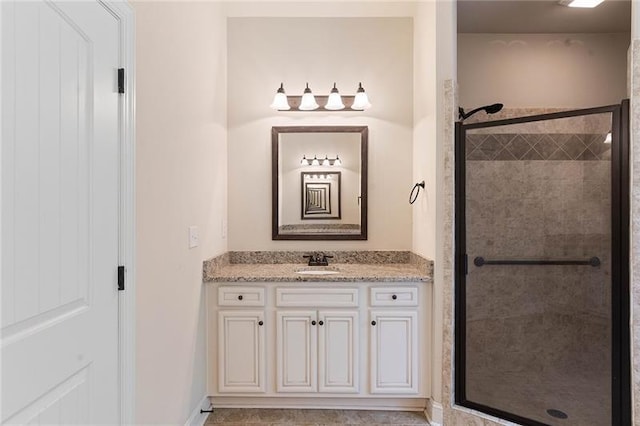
{"x":320,"y":195}
{"x":319,"y":182}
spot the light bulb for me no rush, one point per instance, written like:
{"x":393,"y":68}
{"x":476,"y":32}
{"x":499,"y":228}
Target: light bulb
{"x":315,"y":161}
{"x":361,"y":101}
{"x":304,"y":161}
{"x":325,"y":162}
{"x":280,"y":101}
{"x":607,"y":139}
{"x":308,"y":102}
{"x":337,"y":162}
{"x":335,"y":100}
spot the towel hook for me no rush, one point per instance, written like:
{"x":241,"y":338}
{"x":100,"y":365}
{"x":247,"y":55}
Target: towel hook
{"x":412,"y":198}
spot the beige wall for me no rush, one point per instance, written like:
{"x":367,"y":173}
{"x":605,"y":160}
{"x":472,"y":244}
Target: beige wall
{"x":266,"y":51}
{"x":181,"y":181}
{"x":542,"y":70}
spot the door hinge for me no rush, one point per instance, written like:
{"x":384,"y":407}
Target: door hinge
{"x":120,"y":80}
{"x":120,"y":278}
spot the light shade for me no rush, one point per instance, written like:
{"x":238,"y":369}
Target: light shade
{"x":607,"y":139}
{"x":280,"y":102}
{"x":335,"y":100}
{"x":361,"y":101}
{"x":581,"y":3}
{"x":308,"y":102}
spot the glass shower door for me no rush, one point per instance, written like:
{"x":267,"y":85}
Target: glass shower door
{"x":539,"y":267}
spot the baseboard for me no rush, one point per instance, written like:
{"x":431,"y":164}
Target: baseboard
{"x":434,"y":413}
{"x":197,"y":418}
{"x":387,"y":404}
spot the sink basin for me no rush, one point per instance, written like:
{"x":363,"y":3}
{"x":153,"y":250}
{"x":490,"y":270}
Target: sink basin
{"x":317,"y":271}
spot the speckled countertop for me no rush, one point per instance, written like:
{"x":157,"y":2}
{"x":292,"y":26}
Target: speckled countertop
{"x":350,"y":267}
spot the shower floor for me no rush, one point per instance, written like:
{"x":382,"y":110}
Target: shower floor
{"x":583,"y":396}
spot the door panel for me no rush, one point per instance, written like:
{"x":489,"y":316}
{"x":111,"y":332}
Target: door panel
{"x":536,"y":214}
{"x":242,"y":356}
{"x":60,"y":141}
{"x":394,"y":352}
{"x":296,"y":351}
{"x":338,"y":357}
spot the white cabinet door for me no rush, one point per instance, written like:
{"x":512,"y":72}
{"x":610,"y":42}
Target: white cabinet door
{"x":394,"y":352}
{"x":297,"y":351}
{"x":241,"y":359}
{"x":338,"y":351}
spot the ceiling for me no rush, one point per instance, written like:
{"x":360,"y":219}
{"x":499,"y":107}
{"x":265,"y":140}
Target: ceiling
{"x":542,"y":16}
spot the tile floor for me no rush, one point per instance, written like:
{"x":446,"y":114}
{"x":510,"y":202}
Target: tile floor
{"x":273,"y":417}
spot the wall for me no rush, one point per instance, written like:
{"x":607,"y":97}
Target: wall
{"x":181,"y":181}
{"x":266,"y":51}
{"x":542,"y":70}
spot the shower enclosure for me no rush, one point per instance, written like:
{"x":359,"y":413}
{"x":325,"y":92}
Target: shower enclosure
{"x":542,"y":268}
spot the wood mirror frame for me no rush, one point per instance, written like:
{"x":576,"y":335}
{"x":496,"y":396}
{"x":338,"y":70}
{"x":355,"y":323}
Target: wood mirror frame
{"x":363,"y":131}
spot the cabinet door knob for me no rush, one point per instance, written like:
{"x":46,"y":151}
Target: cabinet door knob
{"x":394,"y":297}
{"x":313,"y":323}
{"x":321,"y":322}
{"x":240,"y":297}
{"x":373,"y":323}
{"x":260,"y":323}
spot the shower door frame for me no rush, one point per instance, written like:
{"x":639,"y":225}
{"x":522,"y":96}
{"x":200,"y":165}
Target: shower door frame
{"x":620,"y":208}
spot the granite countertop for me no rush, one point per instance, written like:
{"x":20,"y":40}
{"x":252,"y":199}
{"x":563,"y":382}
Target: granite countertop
{"x":350,"y":267}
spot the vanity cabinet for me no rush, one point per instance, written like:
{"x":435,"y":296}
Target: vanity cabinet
{"x":393,"y":346}
{"x":241,"y":339}
{"x":241,"y":354}
{"x":317,"y":351}
{"x":280,"y":344}
{"x":394,"y":352}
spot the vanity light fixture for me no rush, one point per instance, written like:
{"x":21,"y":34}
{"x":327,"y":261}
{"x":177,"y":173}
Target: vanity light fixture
{"x":280,"y":100}
{"x":581,"y":3}
{"x":326,"y":161}
{"x":308,"y":102}
{"x":333,"y":102}
{"x":321,"y":176}
{"x":361,"y":102}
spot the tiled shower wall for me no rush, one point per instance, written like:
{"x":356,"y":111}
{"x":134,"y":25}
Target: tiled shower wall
{"x":537,"y":195}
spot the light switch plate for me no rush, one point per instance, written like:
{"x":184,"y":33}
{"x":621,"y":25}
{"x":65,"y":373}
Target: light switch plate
{"x":194,"y":238}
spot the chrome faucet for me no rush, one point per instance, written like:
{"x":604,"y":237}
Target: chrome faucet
{"x":318,"y":259}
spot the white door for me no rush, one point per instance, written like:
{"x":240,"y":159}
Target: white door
{"x":296,"y":351}
{"x":241,"y":358}
{"x":394,"y":352}
{"x":60,"y":139}
{"x":338,"y":351}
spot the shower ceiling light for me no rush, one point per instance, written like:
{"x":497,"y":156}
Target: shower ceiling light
{"x":581,"y":3}
{"x":333,"y":102}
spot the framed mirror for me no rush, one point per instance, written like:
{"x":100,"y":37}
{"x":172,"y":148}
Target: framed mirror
{"x":319,"y":182}
{"x":320,"y":195}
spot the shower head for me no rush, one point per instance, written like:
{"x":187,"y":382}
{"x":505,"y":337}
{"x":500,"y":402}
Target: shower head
{"x":489,"y":109}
